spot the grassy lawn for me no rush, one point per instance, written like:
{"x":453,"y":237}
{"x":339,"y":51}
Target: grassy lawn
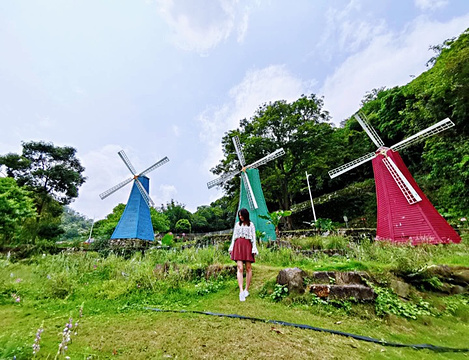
{"x":114,"y":294}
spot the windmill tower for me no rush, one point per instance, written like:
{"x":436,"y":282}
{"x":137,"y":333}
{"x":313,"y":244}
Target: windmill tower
{"x":251,"y":195}
{"x":404,"y":212}
{"x":135,"y":222}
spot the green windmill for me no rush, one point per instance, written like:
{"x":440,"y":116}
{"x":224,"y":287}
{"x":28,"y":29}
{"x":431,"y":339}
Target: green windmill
{"x":251,"y":195}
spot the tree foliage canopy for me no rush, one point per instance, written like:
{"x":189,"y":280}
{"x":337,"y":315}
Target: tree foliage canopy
{"x":47,"y":170}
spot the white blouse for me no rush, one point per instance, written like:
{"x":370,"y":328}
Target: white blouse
{"x":247,"y":232}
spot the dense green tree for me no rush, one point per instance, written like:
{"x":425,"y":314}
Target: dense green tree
{"x":219,"y":215}
{"x":104,"y":228}
{"x":159,"y":221}
{"x":183,"y":226}
{"x":51,"y":172}
{"x":75,"y":225}
{"x":16,"y":206}
{"x":175,"y":211}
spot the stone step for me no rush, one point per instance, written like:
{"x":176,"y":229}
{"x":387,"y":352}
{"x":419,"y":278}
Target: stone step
{"x":339,"y":278}
{"x":342,"y":292}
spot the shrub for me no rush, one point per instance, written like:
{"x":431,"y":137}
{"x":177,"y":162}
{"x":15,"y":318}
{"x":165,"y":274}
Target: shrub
{"x":183,"y":225}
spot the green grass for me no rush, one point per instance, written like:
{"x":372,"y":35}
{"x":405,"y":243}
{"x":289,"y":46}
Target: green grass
{"x":114,"y":293}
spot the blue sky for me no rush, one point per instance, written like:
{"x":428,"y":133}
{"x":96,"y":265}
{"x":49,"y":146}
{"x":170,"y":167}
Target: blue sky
{"x":170,"y":77}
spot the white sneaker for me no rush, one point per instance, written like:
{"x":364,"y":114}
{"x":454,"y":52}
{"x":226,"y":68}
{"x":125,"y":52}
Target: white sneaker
{"x":246,"y":293}
{"x":241,"y":296}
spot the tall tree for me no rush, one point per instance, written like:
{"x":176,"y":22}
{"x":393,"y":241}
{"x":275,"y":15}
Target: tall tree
{"x":302,"y":129}
{"x":50,"y":172}
{"x":175,"y":211}
{"x":16,"y":206}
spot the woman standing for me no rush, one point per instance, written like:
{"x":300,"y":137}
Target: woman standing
{"x":242,"y":250}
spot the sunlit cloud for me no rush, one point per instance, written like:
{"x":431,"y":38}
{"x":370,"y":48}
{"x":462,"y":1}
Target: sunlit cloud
{"x":258,"y":87}
{"x":430,"y":4}
{"x":201,"y":25}
{"x":391,"y":59}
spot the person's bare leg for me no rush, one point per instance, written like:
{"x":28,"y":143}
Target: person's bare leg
{"x":239,"y":275}
{"x":248,"y":274}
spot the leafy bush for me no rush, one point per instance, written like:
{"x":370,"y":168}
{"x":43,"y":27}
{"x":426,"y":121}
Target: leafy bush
{"x":167,"y":240}
{"x":325,"y":225}
{"x":183,"y":225}
{"x":280,"y":292}
{"x":102,"y":246}
{"x":387,"y":302}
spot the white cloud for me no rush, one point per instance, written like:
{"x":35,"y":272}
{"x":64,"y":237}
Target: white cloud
{"x":349,"y":29}
{"x":44,"y":121}
{"x":258,"y":87}
{"x":430,"y":4}
{"x":201,"y":25}
{"x":165,"y":194}
{"x":388,"y":60}
{"x":176,"y":130}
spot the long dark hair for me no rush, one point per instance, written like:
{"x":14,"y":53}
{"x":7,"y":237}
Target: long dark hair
{"x":245,"y":214}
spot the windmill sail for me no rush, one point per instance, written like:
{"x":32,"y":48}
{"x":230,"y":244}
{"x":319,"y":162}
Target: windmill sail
{"x":222,"y":179}
{"x":277,"y":153}
{"x":370,"y":131}
{"x":127,"y":162}
{"x":114,"y":189}
{"x":154,"y":166}
{"x":421,"y":135}
{"x":249,"y":192}
{"x":144,"y":193}
{"x":352,"y":164}
{"x":408,"y":191}
{"x":237,"y":146}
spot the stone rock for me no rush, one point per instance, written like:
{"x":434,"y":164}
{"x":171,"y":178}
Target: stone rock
{"x":457,"y":289}
{"x":401,"y":288}
{"x":351,"y":277}
{"x":358,"y":292}
{"x":340,"y":278}
{"x":293,"y":278}
{"x":215,"y":270}
{"x":323,"y":277}
{"x":442,"y":271}
{"x":461,"y":276}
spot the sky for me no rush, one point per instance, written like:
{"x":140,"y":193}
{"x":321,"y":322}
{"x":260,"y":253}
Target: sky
{"x":160,"y":78}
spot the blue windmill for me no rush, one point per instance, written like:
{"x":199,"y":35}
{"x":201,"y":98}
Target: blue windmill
{"x":135,"y":222}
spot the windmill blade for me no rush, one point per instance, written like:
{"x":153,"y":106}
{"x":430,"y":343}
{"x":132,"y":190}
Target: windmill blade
{"x":114,"y":189}
{"x":127,"y":162}
{"x":277,"y":153}
{"x":370,"y":131}
{"x":432,"y":130}
{"x":237,"y":146}
{"x":352,"y":164}
{"x":222,"y":179}
{"x":404,"y":185}
{"x":154,"y":166}
{"x":250,"y":194}
{"x":144,"y":193}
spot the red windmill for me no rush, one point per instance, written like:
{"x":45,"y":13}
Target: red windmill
{"x":404,"y":212}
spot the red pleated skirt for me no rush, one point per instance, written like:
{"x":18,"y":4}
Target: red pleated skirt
{"x":242,"y":250}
